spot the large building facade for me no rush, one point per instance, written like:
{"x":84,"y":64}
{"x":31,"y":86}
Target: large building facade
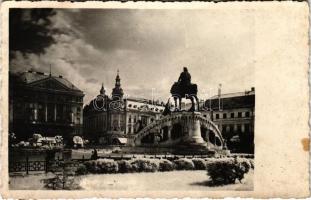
{"x":112,"y":119}
{"x":40,"y":103}
{"x":234,"y":113}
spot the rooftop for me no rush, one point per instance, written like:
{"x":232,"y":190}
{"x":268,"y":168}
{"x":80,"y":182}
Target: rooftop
{"x":235,"y":94}
{"x":232,"y":100}
{"x":31,"y":76}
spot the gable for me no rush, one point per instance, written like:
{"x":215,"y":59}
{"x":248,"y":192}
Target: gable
{"x":50,"y":83}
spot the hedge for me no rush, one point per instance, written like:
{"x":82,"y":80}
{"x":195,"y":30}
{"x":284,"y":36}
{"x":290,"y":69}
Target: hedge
{"x":184,"y":164}
{"x":199,"y":164}
{"x":105,"y":166}
{"x":81,"y":170}
{"x":145,"y":165}
{"x":124,"y":166}
{"x":231,"y":168}
{"x":166,"y":165}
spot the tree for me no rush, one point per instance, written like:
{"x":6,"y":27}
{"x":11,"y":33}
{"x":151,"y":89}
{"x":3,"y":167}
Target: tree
{"x":30,"y":30}
{"x":12,"y":139}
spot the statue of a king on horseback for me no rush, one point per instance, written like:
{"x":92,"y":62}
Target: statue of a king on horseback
{"x":185,"y":89}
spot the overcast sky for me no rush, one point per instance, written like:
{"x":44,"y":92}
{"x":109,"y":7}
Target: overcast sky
{"x":150,"y":48}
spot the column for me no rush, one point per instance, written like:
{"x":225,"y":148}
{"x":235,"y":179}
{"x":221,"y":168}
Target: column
{"x":55,"y":112}
{"x":35,"y":114}
{"x":169,"y":129}
{"x":161,"y":133}
{"x":45,"y":112}
{"x":72,"y":118}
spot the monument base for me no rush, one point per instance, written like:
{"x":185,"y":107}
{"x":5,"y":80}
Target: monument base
{"x":193,"y":149}
{"x":194,"y":131}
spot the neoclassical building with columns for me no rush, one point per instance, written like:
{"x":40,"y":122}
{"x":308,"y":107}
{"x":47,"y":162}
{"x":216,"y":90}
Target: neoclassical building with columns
{"x":112,"y":119}
{"x":44,"y":104}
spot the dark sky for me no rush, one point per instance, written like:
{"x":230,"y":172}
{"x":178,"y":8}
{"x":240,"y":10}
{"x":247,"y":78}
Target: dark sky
{"x":150,"y":48}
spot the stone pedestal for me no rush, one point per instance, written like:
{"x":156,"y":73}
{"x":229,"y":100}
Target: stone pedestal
{"x":194,"y":132}
{"x":193,"y":126}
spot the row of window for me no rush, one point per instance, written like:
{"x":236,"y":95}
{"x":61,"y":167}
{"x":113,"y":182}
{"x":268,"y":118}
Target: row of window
{"x":143,"y":106}
{"x":238,"y":128}
{"x":232,"y":115}
{"x":51,"y":97}
{"x":40,"y":105}
{"x":134,"y":119}
{"x":97,"y":122}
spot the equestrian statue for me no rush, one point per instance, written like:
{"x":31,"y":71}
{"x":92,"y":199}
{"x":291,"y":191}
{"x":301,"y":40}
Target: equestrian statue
{"x":185,"y":89}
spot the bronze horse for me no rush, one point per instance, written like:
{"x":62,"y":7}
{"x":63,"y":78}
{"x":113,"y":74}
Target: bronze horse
{"x":188,"y":91}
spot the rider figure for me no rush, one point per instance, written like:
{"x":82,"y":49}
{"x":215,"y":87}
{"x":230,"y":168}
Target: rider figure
{"x":184,"y":78}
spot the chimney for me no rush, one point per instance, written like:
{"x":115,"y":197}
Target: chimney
{"x":60,"y":76}
{"x":252,"y":89}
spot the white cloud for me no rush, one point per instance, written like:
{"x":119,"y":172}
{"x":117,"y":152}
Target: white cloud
{"x":150,"y":47}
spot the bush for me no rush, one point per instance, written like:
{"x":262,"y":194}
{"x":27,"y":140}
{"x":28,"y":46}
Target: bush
{"x":199,"y":163}
{"x":227,"y":170}
{"x":245,"y":164}
{"x":251,"y":161}
{"x":145,"y":165}
{"x":124,"y":166}
{"x":166,"y":165}
{"x":62,"y":178}
{"x":61,"y":182}
{"x":92,"y":167}
{"x":184,"y":164}
{"x":105,"y":166}
{"x":81,"y":170}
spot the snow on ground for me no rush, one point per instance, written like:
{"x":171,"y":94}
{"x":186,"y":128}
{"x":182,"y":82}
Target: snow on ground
{"x":175,"y":180}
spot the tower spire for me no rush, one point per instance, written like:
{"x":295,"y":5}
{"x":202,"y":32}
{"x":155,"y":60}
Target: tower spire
{"x":118,"y":80}
{"x":117,"y":91}
{"x":102,"y":89}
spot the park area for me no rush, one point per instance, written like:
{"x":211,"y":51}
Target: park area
{"x":143,"y":174}
{"x":173,"y":180}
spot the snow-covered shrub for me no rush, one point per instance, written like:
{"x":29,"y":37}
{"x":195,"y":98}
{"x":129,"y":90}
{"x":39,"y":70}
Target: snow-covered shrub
{"x":184,"y":164}
{"x":166,"y":165}
{"x":199,"y":163}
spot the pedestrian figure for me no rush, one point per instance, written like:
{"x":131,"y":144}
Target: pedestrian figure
{"x":94,"y":155}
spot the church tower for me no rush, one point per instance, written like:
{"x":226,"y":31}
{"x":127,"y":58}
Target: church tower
{"x":117,"y":91}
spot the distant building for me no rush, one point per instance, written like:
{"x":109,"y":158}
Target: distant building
{"x":43,"y":104}
{"x":234,"y":113}
{"x":110,"y":120}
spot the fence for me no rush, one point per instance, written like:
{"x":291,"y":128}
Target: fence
{"x":43,"y":165}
